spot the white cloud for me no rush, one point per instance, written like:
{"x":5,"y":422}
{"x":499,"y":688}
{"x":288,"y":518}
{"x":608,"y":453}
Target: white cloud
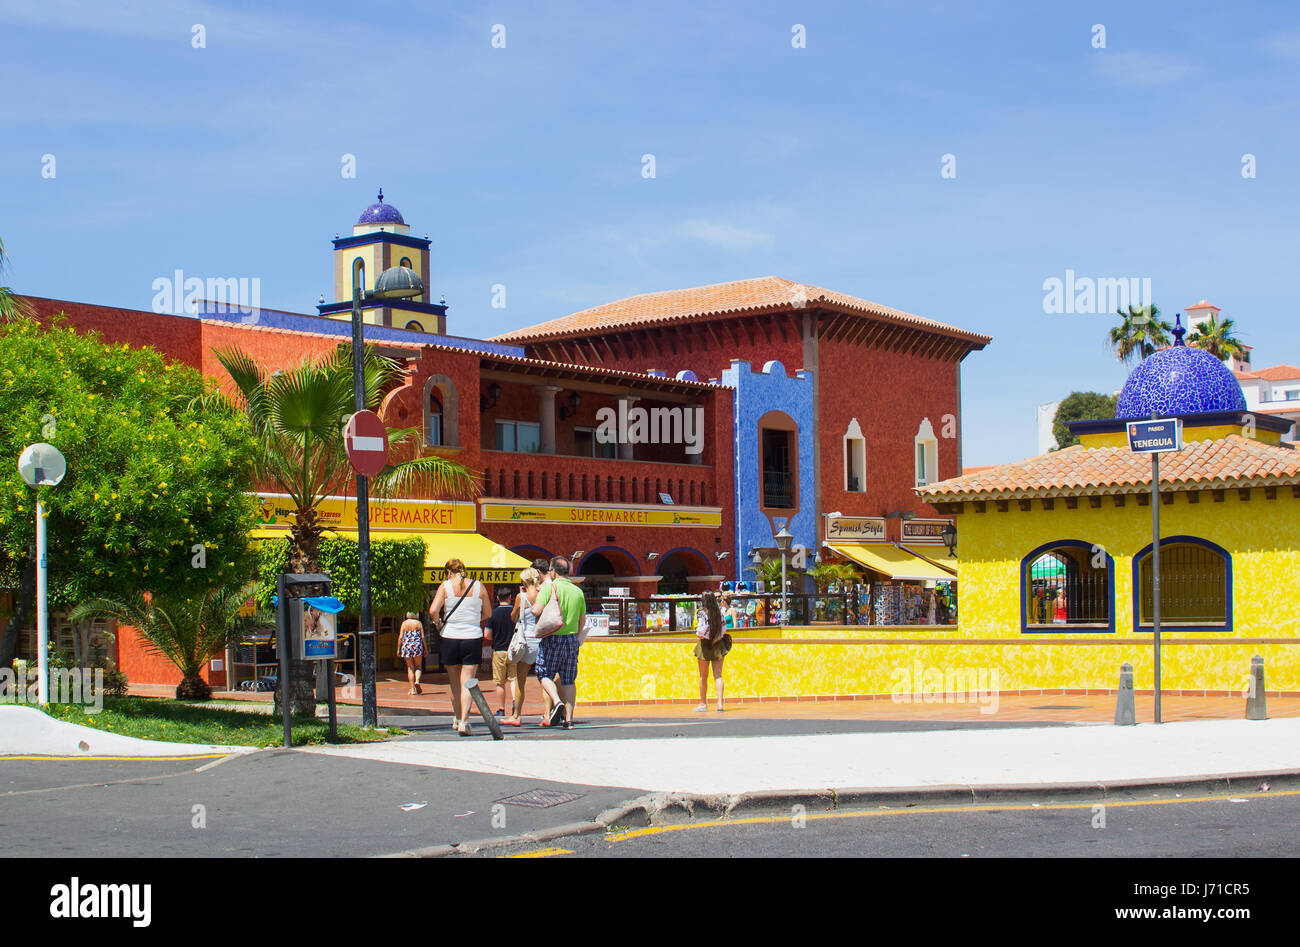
{"x":1137,"y":68}
{"x":726,"y":236}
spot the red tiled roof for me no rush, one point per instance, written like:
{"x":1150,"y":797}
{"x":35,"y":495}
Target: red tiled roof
{"x":1278,"y":373}
{"x":1233,"y":461}
{"x":1204,"y":305}
{"x":1244,"y":375}
{"x":767,"y":293}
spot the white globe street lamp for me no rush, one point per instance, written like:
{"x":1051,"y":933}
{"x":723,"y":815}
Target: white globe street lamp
{"x":42,"y":465}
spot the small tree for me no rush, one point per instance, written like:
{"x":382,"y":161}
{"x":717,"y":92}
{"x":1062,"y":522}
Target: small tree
{"x":188,"y":628}
{"x":1080,"y":406}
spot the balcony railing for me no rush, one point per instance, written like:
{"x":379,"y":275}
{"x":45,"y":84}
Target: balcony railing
{"x":778,"y":490}
{"x":554,"y":477}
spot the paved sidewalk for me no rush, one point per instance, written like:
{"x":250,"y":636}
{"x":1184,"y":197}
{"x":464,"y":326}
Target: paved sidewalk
{"x":1037,"y":708}
{"x":1018,"y":756}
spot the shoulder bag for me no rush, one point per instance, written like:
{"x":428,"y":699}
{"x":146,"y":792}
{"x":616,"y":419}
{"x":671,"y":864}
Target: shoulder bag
{"x":551,"y":619}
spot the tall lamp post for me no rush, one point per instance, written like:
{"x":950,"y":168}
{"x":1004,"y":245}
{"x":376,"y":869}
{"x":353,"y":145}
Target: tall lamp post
{"x":42,"y":465}
{"x":397,"y":282}
{"x":783,"y":540}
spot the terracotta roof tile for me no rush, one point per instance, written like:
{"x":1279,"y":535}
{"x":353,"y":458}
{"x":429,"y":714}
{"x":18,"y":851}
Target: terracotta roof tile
{"x":768,"y":293}
{"x":1203,"y":305}
{"x":1233,"y":461}
{"x":1278,"y":373}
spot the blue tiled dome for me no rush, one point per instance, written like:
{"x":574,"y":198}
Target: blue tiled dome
{"x":381,"y":213}
{"x":1177,"y":381}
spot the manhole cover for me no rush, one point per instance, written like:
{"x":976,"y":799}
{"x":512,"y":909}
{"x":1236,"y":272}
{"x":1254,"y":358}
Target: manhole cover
{"x":1059,"y":707}
{"x":541,"y":798}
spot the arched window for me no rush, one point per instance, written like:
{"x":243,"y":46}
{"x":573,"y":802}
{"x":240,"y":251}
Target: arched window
{"x":855,"y":459}
{"x":1067,"y":585}
{"x":778,"y":461}
{"x":1195,"y":586}
{"x":433,"y":426}
{"x":441,"y":414}
{"x":406,"y":262}
{"x":359,"y":273}
{"x":414,"y":326}
{"x":927,"y":454}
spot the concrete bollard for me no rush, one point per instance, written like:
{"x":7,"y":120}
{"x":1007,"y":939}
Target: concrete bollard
{"x":1125,"y":711}
{"x":1255,"y":709}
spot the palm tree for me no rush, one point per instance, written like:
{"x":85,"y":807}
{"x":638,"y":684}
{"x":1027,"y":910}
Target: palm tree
{"x":298,"y":417}
{"x":13,"y":308}
{"x":1141,"y":332}
{"x":1216,"y":338}
{"x":188,"y":627}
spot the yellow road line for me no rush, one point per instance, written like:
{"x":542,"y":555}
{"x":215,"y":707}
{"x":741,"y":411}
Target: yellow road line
{"x":154,"y":759}
{"x":916,"y":810}
{"x":541,"y":853}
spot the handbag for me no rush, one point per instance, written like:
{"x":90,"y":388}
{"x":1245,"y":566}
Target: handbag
{"x":550,"y":620}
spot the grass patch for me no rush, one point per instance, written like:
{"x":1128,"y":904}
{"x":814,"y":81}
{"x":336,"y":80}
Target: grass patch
{"x":161,"y":718}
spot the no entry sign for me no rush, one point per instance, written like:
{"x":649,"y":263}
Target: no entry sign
{"x":366,"y":441}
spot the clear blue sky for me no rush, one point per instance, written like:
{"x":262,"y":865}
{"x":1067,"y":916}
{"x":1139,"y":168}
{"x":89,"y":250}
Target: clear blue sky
{"x":819,"y":164}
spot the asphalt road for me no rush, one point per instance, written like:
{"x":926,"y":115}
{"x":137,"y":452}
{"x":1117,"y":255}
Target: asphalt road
{"x":1159,"y":824}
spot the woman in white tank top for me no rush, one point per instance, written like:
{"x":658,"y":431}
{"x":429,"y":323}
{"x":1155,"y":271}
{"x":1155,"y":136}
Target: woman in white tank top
{"x":458,"y":611}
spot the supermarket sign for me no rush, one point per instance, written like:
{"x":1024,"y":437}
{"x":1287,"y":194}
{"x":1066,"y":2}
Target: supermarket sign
{"x":601,"y":515}
{"x":411,"y":516}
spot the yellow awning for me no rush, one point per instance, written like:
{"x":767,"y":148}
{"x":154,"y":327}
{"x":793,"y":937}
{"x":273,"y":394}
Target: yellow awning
{"x":892,"y":561}
{"x":485,"y":560}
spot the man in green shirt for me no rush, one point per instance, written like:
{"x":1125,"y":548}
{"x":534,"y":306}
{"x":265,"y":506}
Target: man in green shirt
{"x":557,"y":654}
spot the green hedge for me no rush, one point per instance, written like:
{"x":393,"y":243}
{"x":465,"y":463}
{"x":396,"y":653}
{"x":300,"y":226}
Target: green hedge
{"x":396,"y":573}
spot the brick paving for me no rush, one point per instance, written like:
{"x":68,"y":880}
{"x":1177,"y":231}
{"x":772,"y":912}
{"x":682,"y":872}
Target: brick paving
{"x":1042,"y":707}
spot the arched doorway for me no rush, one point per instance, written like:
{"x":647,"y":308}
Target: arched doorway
{"x":676,"y":566}
{"x":605,"y":567}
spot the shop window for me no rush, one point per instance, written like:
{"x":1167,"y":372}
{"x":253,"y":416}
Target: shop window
{"x":1195,"y":585}
{"x":855,"y":459}
{"x":441,"y":415}
{"x":585,"y":444}
{"x":1067,"y":585}
{"x":927,"y":454}
{"x":521,"y":437}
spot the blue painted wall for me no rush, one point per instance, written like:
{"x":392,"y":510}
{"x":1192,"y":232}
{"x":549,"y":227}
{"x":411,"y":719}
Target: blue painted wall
{"x":758,"y":392}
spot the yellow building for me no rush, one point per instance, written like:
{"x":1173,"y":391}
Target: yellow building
{"x":1057,"y":548}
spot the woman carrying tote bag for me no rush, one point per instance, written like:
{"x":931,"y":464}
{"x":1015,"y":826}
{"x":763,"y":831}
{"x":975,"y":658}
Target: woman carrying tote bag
{"x":457,"y":611}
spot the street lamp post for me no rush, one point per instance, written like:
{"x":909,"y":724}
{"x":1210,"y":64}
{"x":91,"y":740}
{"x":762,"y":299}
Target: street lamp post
{"x":42,"y":465}
{"x":398,"y":282}
{"x":783,"y":540}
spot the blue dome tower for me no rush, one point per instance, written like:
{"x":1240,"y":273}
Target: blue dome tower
{"x":1177,"y":381}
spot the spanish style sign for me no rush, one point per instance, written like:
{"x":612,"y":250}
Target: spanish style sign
{"x":411,"y":516}
{"x":924,"y":531}
{"x":1155,"y":437}
{"x":605,"y":515}
{"x":855,"y":529}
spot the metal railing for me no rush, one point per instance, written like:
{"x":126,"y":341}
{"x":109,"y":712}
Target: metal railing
{"x":677,"y":615}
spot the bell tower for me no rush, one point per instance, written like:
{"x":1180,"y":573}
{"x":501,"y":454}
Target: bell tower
{"x":381,"y":239}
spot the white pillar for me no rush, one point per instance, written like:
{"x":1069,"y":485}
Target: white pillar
{"x":625,"y":447}
{"x":546,"y":415}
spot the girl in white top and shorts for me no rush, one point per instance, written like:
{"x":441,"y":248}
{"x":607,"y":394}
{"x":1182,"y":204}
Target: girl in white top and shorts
{"x":458,"y":611}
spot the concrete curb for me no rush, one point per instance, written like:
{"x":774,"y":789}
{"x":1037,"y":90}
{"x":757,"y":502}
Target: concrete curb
{"x":655,"y":808}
